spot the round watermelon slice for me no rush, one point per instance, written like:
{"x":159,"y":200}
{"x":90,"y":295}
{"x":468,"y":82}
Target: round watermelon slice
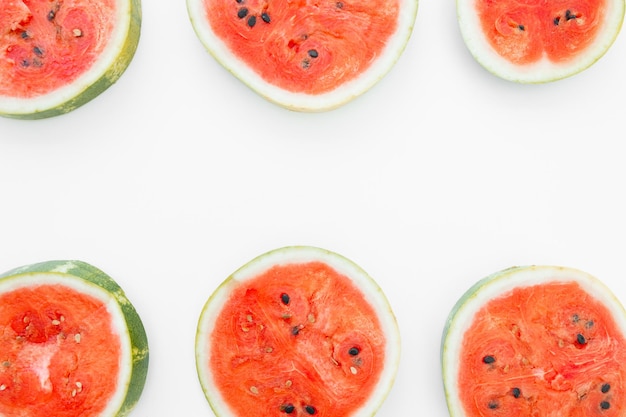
{"x":306,"y":55}
{"x":71,"y":343}
{"x":535,"y":41}
{"x":57,"y":55}
{"x":536,"y":341}
{"x":299,"y":331}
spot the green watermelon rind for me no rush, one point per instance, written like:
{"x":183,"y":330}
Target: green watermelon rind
{"x":462,"y":313}
{"x":543,"y":71}
{"x":297,"y":254}
{"x":299,"y":101}
{"x":91,"y":84}
{"x":93,"y":276}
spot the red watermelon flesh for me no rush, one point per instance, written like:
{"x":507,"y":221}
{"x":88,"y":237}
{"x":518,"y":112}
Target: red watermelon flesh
{"x":305,"y":46}
{"x":296,"y":337}
{"x":530,"y":30}
{"x":59,"y":356}
{"x":578,"y":371}
{"x":536,"y":341}
{"x":49,"y":44}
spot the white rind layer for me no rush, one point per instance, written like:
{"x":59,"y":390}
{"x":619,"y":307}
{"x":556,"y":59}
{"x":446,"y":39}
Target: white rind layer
{"x":294,"y":255}
{"x":32,"y":280}
{"x":462,"y":314}
{"x":544,"y":70}
{"x":108,"y":67}
{"x":299,"y":101}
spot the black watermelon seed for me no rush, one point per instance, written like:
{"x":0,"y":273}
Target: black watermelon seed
{"x":521,"y":27}
{"x":309,"y":409}
{"x":295,"y":330}
{"x":353,"y":351}
{"x":313,"y":53}
{"x":589,"y":324}
{"x":575,"y":317}
{"x":284,"y":297}
{"x":37,"y":50}
{"x":25,"y":63}
{"x":306,"y":63}
{"x":605,"y":388}
{"x":252,"y":21}
{"x":243,"y":12}
{"x":51,"y":15}
{"x":288,"y":408}
{"x":516,"y":392}
{"x":489,"y":359}
{"x":265,"y":17}
{"x":492,"y":405}
{"x":581,"y":339}
{"x":556,"y":20}
{"x":605,"y":405}
{"x":25,"y":35}
{"x":569,"y":15}
{"x":339,"y":5}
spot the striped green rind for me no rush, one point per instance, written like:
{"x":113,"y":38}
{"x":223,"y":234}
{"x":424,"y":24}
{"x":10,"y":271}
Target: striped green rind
{"x":496,"y":284}
{"x":136,"y":330}
{"x":107,"y":79}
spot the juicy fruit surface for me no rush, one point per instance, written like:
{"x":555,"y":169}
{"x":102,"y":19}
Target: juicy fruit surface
{"x":59,"y":355}
{"x":526,"y":31}
{"x":543,"y":350}
{"x":297,"y":339}
{"x":305,"y":46}
{"x":48,"y":44}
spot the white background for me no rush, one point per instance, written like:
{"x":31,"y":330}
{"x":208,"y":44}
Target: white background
{"x":441,"y":174}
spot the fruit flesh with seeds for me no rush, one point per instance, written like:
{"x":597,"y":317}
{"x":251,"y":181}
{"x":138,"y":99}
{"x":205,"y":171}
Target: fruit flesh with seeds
{"x":537,"y":341}
{"x":70,"y":343}
{"x":305,"y":54}
{"x":275,"y":339}
{"x":59,"y":55}
{"x":538,"y":41}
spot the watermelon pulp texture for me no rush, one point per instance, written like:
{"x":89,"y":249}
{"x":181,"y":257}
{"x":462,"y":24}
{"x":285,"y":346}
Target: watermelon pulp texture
{"x":305,"y":46}
{"x":43,"y":40}
{"x":542,"y":349}
{"x":57,"y":55}
{"x":535,"y":41}
{"x":297,"y":338}
{"x":71,"y":343}
{"x":305,"y":55}
{"x":528,"y":31}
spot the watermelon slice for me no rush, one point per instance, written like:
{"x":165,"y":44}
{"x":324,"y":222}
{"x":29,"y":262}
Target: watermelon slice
{"x":300,"y":331}
{"x":534,"y":41}
{"x":57,"y":55}
{"x":536,"y":341}
{"x":306,"y":55}
{"x":71,"y":343}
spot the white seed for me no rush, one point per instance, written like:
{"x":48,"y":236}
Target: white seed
{"x":3,"y":387}
{"x":77,"y":337}
{"x":269,"y":349}
{"x":77,"y":32}
{"x":79,"y":385}
{"x":73,"y":393}
{"x":353,"y":370}
{"x":254,"y":390}
{"x":288,"y":383}
{"x":249,"y":318}
{"x":55,"y":322}
{"x":311,"y":318}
